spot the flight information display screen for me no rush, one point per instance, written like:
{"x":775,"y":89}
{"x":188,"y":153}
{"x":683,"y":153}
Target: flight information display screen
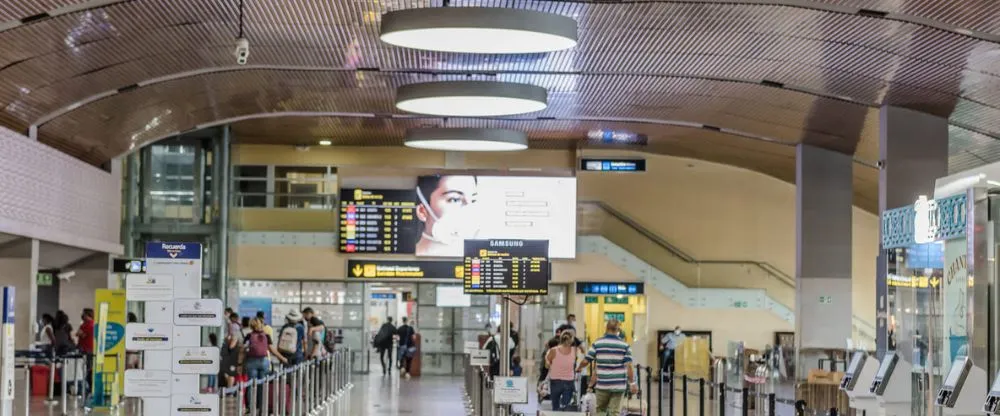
{"x":506,"y":267}
{"x":377,"y":221}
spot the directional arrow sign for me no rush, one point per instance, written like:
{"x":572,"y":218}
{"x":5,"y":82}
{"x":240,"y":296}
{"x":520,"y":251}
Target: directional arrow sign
{"x":935,"y":281}
{"x":357,"y":270}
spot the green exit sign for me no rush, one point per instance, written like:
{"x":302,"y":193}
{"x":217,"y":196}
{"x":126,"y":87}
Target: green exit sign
{"x":44,"y":279}
{"x":590,"y":299}
{"x":615,"y":300}
{"x":826,"y":300}
{"x":741,"y":304}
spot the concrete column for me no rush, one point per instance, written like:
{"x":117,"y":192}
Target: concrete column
{"x":913,"y":153}
{"x":18,"y":267}
{"x":824,"y":196}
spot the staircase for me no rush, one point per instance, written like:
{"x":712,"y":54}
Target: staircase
{"x":693,"y":283}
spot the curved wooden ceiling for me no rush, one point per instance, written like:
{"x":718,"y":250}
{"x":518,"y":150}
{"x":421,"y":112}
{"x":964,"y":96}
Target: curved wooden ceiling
{"x":749,"y":79}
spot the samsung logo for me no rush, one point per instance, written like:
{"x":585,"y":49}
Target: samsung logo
{"x":506,"y":243}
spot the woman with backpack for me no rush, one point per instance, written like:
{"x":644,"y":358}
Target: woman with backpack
{"x":258,"y":345}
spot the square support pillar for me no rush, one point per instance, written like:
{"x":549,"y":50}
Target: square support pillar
{"x":823,"y":218}
{"x":913,"y":154}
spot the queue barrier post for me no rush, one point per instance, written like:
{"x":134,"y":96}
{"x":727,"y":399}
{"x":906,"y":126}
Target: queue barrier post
{"x":684,"y":394}
{"x":701,"y":396}
{"x":746,"y":401}
{"x":673,"y":386}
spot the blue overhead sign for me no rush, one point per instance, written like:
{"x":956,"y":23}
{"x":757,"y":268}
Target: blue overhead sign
{"x":603,"y":288}
{"x":164,"y":250}
{"x":613,"y":165}
{"x":8,"y":304}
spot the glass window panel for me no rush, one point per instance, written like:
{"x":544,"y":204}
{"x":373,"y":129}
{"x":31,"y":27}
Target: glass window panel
{"x":251,"y":171}
{"x":434,"y":317}
{"x":436,"y":364}
{"x":474,"y":317}
{"x":427,"y":294}
{"x":435,"y":340}
{"x":324,"y":292}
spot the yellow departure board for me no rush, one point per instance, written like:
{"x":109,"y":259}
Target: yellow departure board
{"x":506,"y":267}
{"x":378,"y":221}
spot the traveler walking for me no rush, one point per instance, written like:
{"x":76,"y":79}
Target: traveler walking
{"x":407,"y":347}
{"x":383,"y":344}
{"x":85,"y":342}
{"x":561,"y":362}
{"x":614,"y":373}
{"x":668,"y":347}
{"x":291,"y":340}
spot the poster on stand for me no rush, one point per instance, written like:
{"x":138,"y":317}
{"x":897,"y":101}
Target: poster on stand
{"x":146,"y":337}
{"x":194,"y":404}
{"x":147,"y":383}
{"x":198,"y":312}
{"x":196,"y":360}
{"x":180,"y":260}
{"x":149,"y":287}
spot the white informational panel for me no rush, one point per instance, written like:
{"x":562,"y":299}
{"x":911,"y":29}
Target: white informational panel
{"x":185,"y":384}
{"x":146,"y":337}
{"x":147,"y":383}
{"x":160,"y":312}
{"x":471,"y":346}
{"x":194,"y":404}
{"x":196,"y":360}
{"x":510,"y":390}
{"x":198,"y":312}
{"x":479,"y":358}
{"x":7,"y":352}
{"x":149,"y":287}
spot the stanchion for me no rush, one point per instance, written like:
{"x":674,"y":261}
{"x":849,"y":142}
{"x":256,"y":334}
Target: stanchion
{"x":62,"y":386}
{"x":770,"y":404}
{"x":722,"y":399}
{"x":264,"y":399}
{"x":659,"y":393}
{"x":241,"y":396}
{"x":746,"y":401}
{"x":672,"y":388}
{"x":684,"y":394}
{"x":51,"y":396}
{"x":649,"y":389}
{"x":253,"y":398}
{"x":701,"y":396}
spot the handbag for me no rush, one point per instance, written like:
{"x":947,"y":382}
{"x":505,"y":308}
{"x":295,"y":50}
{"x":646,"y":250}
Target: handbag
{"x":634,"y":406}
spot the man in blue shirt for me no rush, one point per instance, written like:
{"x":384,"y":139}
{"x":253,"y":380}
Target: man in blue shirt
{"x":613,"y":370}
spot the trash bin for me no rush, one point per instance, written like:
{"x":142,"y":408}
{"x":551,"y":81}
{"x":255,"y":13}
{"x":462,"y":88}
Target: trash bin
{"x":39,"y":380}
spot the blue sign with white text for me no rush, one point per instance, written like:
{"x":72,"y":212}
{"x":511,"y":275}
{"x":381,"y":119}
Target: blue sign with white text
{"x":596,"y":288}
{"x":8,"y":304}
{"x":250,"y":306}
{"x":165,"y":250}
{"x":383,"y":296}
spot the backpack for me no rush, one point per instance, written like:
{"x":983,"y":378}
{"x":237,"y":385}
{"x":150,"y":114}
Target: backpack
{"x":257,"y":345}
{"x":330,"y":339}
{"x":288,"y":339}
{"x":384,"y":336}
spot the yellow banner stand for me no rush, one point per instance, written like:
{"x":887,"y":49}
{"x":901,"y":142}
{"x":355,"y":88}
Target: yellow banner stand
{"x":109,"y":349}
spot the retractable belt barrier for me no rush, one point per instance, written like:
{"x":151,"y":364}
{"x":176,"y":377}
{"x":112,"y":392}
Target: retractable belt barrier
{"x":26,"y":359}
{"x":311,"y":388}
{"x":478,"y":390}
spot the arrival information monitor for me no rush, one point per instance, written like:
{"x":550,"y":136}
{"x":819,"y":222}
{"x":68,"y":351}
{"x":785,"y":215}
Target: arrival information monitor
{"x":506,"y":267}
{"x":377,"y":221}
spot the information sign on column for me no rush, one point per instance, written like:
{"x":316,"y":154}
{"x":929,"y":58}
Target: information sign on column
{"x":506,"y":267}
{"x":7,"y":353}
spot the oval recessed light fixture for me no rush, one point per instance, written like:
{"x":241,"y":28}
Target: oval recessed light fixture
{"x":471,"y":98}
{"x":466,"y":139}
{"x":478,"y":30}
{"x":325,"y":142}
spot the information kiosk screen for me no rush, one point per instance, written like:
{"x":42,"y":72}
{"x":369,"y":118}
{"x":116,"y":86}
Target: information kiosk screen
{"x":957,"y":368}
{"x":856,"y":361}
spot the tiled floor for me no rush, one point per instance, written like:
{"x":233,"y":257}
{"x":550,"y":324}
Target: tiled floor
{"x":372,"y":395}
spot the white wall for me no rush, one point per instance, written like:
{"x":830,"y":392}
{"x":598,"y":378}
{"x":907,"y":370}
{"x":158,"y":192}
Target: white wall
{"x":17,"y":272}
{"x":78,"y":292}
{"x":51,"y":196}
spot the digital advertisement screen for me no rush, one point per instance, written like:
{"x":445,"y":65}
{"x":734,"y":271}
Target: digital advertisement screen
{"x":442,"y":211}
{"x":506,"y":267}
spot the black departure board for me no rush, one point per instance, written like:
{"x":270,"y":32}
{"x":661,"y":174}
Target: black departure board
{"x":506,"y":267}
{"x":378,"y":221}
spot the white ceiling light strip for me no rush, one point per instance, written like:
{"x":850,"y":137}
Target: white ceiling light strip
{"x":478,"y":30}
{"x":466,"y":139}
{"x":471,"y":98}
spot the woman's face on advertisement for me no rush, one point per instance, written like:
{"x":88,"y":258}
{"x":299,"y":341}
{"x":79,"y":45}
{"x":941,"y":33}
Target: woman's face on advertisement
{"x":452,"y":194}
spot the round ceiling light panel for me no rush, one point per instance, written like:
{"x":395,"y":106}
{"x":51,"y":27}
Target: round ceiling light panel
{"x":466,"y":139}
{"x":478,"y":30}
{"x":471,"y":98}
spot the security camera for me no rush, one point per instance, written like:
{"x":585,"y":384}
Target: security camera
{"x":66,"y":275}
{"x":880,"y":164}
{"x":242,"y":51}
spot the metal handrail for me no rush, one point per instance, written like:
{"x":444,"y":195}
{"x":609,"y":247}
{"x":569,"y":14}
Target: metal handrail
{"x":677,"y":252}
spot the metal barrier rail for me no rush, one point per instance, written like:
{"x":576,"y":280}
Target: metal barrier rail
{"x":478,"y":390}
{"x":26,"y":361}
{"x":304,"y":389}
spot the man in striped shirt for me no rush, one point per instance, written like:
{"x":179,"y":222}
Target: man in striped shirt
{"x":614,"y":372}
